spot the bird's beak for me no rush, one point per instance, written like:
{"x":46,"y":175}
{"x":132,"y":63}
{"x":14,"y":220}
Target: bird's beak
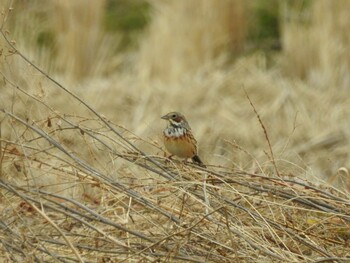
{"x":165,"y":117}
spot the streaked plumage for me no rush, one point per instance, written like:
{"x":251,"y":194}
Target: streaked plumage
{"x":178,"y":138}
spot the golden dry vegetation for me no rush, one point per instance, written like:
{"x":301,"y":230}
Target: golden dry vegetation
{"x":83,"y":172}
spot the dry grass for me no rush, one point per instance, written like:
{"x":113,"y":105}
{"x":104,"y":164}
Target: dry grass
{"x":83,"y":177}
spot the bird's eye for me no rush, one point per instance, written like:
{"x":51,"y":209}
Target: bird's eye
{"x":173,"y":116}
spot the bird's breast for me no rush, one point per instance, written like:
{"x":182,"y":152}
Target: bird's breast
{"x":179,"y":142}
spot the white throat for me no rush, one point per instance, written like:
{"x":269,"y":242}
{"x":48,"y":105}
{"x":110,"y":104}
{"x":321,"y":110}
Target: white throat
{"x":176,"y":132}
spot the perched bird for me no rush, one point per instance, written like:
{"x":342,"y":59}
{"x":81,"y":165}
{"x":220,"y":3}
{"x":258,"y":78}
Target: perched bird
{"x":178,"y":138}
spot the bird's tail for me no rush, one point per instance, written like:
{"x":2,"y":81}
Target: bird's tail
{"x":197,"y":160}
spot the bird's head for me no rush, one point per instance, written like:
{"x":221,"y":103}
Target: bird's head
{"x":176,"y":120}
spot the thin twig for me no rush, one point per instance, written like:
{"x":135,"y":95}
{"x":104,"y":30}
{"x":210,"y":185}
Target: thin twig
{"x":265,"y":133}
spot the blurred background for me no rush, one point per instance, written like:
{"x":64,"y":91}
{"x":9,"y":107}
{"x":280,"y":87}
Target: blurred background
{"x":134,"y":61}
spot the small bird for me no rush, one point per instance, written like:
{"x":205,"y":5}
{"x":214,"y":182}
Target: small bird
{"x":178,"y":138}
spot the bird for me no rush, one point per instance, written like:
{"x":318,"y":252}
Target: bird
{"x":178,"y":138}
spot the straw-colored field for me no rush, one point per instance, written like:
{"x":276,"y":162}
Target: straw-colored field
{"x":84,"y":176}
